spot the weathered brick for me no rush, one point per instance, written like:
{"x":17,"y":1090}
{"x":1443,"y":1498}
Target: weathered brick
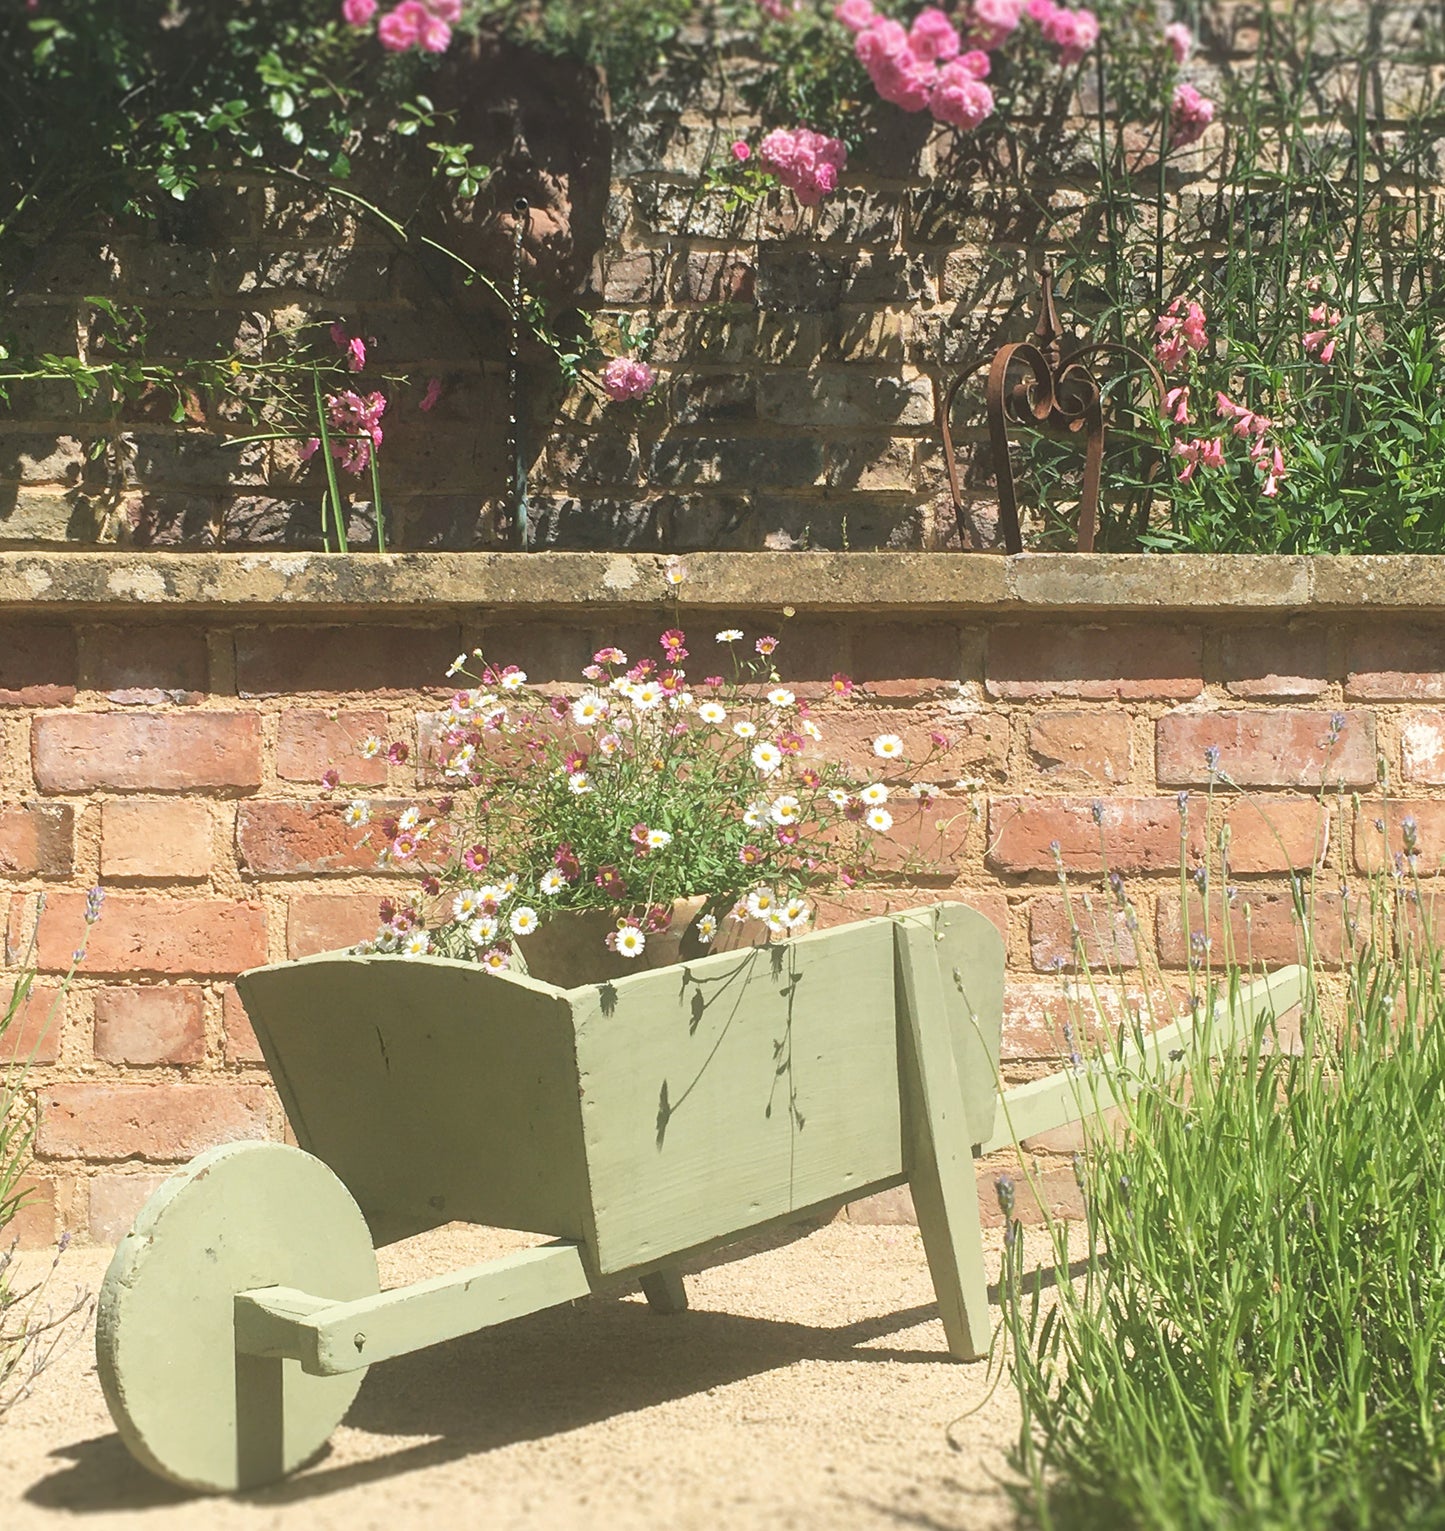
{"x":973,"y":746}
{"x":1275,"y":662}
{"x":141,"y":752}
{"x":1376,"y":851}
{"x":714,"y":276}
{"x":164,"y":1122}
{"x":113,"y":1202}
{"x":36,"y":840}
{"x":150,"y":1025}
{"x":866,"y":903}
{"x":327,"y":922}
{"x":146,"y":838}
{"x":241,"y":1043}
{"x":1081,"y":746}
{"x":287,"y":839}
{"x":146,"y":933}
{"x":1422,"y":748}
{"x":37,"y":665}
{"x":844,"y":396}
{"x":928,"y":841}
{"x":1107,"y":941}
{"x":281,"y":661}
{"x":1136,"y":834}
{"x":1395,"y":662}
{"x":1095,"y":663}
{"x":898,"y":659}
{"x":763,"y":463}
{"x":33,"y":1034}
{"x":311,"y":743}
{"x":1267,"y":748}
{"x":34,"y":1224}
{"x":1271,"y":834}
{"x":147,"y":666}
{"x":1263,"y":927}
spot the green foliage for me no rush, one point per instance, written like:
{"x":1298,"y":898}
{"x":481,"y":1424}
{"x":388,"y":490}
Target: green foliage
{"x":1252,"y":1335}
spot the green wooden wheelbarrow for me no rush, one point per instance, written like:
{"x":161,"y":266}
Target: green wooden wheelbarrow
{"x":639,"y":1124}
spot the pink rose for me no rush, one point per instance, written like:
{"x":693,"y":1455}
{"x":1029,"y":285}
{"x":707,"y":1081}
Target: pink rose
{"x":932,"y":36}
{"x":856,"y":15}
{"x":399,"y":29}
{"x":357,"y":13}
{"x":961,"y":99}
{"x":1179,"y":40}
{"x":1191,"y":113}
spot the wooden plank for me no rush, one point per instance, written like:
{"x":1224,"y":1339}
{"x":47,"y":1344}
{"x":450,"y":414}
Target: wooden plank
{"x":331,"y":1338}
{"x":748,"y":1086}
{"x":940,"y":1146}
{"x":1044,"y":1104}
{"x":665,"y":1291}
{"x":433,"y":1089}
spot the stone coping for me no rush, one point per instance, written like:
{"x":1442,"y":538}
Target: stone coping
{"x":523,"y":585}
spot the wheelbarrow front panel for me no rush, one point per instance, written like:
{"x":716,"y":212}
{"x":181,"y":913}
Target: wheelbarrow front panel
{"x":433,"y":1090}
{"x":727,"y":1093}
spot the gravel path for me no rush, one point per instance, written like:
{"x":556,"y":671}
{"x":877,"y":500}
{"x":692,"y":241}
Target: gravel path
{"x":806,"y":1387}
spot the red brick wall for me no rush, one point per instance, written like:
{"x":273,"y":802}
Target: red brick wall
{"x":176,"y":759}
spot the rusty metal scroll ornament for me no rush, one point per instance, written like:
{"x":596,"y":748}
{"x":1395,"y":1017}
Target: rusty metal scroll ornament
{"x":1058,"y":395}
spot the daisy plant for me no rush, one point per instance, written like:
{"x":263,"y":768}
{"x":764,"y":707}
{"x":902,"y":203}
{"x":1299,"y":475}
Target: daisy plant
{"x":636,"y":789}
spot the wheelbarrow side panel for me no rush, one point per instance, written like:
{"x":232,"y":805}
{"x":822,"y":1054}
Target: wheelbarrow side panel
{"x":721,"y":1095}
{"x":434,"y":1090}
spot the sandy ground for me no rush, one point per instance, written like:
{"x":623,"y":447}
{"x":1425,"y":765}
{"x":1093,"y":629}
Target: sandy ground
{"x":807,"y":1386}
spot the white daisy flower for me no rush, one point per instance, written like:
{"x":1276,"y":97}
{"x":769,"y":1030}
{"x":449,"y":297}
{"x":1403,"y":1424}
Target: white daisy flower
{"x":579,"y":783}
{"x":647,"y":695}
{"x":492,"y":894}
{"x":809,"y":727}
{"x":754,"y":814}
{"x":356,"y":815}
{"x":745,"y":730}
{"x":371,"y":747}
{"x":608,"y":745}
{"x":515,"y":681}
{"x":767,"y":757}
{"x":552,"y":882}
{"x":417,"y":944}
{"x":452,"y":719}
{"x":739,"y":911}
{"x":761,"y":903}
{"x":795,"y":912}
{"x":706,"y":929}
{"x":496,"y":960}
{"x":675,"y":571}
{"x":777,"y":925}
{"x":925,"y":791}
{"x":457,"y":664}
{"x":621,"y":685}
{"x":461,"y":762}
{"x":482,"y":929}
{"x":630,"y":941}
{"x":874,"y":793}
{"x":880,"y":820}
{"x":523,"y":921}
{"x":838,"y":797}
{"x":780,"y":696}
{"x":658,"y":839}
{"x":467,"y":904}
{"x":730,"y":635}
{"x":969,"y":784}
{"x":589,"y":709}
{"x":509,"y":885}
{"x":410,"y":818}
{"x":888,"y":747}
{"x":785,"y":810}
{"x":713,"y":712}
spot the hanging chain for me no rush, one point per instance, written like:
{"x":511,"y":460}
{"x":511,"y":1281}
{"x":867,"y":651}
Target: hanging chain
{"x":516,"y":467}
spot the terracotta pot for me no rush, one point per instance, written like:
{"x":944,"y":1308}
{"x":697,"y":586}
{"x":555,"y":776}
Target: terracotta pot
{"x":571,"y":948}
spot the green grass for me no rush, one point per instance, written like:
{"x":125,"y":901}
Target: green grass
{"x":1251,"y":1333}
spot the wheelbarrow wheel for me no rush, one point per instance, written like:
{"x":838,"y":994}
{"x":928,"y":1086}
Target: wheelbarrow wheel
{"x":237,"y":1217}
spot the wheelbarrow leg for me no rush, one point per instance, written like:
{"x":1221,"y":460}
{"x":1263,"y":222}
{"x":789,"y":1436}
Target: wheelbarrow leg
{"x":664,"y":1291}
{"x":940,"y":1150}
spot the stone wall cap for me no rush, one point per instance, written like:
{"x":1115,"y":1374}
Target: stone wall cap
{"x":378,"y":586}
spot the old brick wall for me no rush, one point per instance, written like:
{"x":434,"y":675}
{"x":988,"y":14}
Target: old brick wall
{"x":801,"y":354}
{"x":170,"y":747}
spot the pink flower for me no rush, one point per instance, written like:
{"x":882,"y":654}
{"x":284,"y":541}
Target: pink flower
{"x":840,"y":684}
{"x":806,"y":162}
{"x":623,"y":378}
{"x":898,"y":74}
{"x":400,"y":29}
{"x":357,"y":13}
{"x":741,"y":152}
{"x":856,"y":15}
{"x":1176,"y":405}
{"x":1179,"y":329}
{"x":960,"y":98}
{"x":933,"y":36}
{"x":355,"y":354}
{"x":1196,"y":454}
{"x":310,"y":449}
{"x":449,"y":11}
{"x":433,"y":34}
{"x":766,"y":644}
{"x":1273,"y":470}
{"x":993,"y":22}
{"x":1179,"y":40}
{"x":778,"y":10}
{"x":977,"y":63}
{"x":1074,"y":33}
{"x":1191,"y":113}
{"x":432,"y":394}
